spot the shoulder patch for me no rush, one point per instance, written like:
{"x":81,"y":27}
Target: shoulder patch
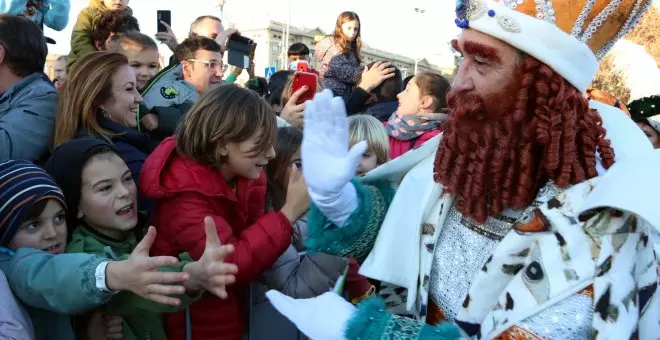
{"x":168,"y":92}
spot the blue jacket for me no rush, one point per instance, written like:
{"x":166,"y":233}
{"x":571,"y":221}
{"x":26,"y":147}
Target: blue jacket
{"x":52,"y":13}
{"x":27,"y":118}
{"x":53,"y":287}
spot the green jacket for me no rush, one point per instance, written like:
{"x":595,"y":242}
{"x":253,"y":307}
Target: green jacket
{"x":142,"y":318}
{"x":53,"y":287}
{"x":81,"y":36}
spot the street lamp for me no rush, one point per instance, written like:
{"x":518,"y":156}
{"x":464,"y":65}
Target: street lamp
{"x":221,"y":5}
{"x":419,"y":11}
{"x":286,"y":32}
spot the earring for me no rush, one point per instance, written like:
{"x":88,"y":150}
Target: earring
{"x":105,"y":113}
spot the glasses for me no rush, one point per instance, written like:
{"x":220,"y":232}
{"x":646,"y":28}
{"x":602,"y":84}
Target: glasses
{"x":210,"y":64}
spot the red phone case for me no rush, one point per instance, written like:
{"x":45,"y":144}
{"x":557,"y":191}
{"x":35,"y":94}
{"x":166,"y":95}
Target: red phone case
{"x":301,"y":79}
{"x":303,"y":67}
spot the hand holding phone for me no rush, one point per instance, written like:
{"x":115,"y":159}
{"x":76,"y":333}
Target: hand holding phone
{"x":164,"y":16}
{"x":301,"y":79}
{"x":241,"y":51}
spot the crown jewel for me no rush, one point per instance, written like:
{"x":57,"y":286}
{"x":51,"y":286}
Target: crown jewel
{"x":596,"y":23}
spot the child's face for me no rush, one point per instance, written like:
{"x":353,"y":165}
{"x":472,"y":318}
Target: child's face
{"x":46,"y":232}
{"x":368,"y":162}
{"x":409,"y":100}
{"x":143,"y":62}
{"x":108,"y":200}
{"x":115,"y":4}
{"x":242,"y":162}
{"x":350,"y":29}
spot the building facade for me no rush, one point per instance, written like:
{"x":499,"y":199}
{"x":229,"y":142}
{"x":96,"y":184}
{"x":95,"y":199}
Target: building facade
{"x":48,"y":68}
{"x":272,"y":47}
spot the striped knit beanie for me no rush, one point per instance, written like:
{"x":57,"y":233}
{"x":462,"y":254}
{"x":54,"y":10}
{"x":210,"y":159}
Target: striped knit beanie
{"x":22,"y":184}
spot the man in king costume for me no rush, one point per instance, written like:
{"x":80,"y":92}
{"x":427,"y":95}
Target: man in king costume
{"x":506,"y":225}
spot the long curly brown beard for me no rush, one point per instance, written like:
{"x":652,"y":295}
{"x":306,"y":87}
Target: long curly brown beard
{"x":498,"y":156}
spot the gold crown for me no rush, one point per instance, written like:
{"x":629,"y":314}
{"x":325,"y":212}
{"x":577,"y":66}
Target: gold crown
{"x":597,"y":23}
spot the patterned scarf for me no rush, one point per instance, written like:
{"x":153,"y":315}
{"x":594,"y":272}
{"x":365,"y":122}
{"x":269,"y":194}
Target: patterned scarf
{"x":412,"y":126}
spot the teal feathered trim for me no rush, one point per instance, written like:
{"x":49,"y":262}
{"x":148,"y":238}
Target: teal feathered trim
{"x":356,"y":238}
{"x":369,"y":321}
{"x":372,"y":322}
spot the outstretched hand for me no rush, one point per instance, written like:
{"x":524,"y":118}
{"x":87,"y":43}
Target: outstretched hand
{"x":210,"y":272}
{"x":328,"y":163}
{"x":139,"y":274}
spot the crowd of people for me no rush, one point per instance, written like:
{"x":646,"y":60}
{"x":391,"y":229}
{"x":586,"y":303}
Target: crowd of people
{"x":148,"y":202}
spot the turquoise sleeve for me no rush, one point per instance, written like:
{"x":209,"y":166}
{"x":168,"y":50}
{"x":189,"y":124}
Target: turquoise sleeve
{"x":372,"y":322}
{"x":231,"y":79}
{"x":36,"y":278}
{"x":356,"y":238}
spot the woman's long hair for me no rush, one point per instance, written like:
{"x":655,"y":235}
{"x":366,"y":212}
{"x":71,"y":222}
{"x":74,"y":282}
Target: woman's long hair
{"x":549,"y":134}
{"x":341,"y":39}
{"x":289,"y":140}
{"x":89,"y":85}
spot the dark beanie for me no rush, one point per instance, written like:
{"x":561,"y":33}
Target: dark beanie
{"x":22,"y":185}
{"x":66,"y":166}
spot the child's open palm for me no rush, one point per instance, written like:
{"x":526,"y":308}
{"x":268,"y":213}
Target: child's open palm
{"x":210,"y":272}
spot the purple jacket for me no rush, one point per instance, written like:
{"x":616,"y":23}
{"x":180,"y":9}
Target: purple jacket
{"x":14,"y":320}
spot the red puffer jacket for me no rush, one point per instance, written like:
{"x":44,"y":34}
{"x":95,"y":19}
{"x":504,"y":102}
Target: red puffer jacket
{"x":185,"y":192}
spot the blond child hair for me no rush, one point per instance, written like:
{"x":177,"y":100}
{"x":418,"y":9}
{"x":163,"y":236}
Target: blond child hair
{"x":370,"y":129}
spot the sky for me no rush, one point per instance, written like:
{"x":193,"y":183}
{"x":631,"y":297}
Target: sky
{"x":391,"y":26}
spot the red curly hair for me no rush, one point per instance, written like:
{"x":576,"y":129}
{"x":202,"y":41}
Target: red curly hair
{"x":546,"y":132}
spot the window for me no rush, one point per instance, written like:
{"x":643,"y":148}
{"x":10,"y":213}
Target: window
{"x":276,"y":48}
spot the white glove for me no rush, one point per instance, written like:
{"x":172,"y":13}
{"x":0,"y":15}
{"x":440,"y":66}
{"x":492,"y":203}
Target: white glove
{"x":328,"y":164}
{"x":324,"y":317}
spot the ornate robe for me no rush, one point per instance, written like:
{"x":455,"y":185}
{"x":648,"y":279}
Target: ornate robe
{"x":551,"y":271}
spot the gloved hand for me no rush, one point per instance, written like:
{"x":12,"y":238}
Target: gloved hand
{"x":328,"y":164}
{"x":324,"y":317}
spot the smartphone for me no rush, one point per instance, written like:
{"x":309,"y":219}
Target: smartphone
{"x":165,"y":16}
{"x":240,"y":51}
{"x":301,"y":79}
{"x":302,"y":66}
